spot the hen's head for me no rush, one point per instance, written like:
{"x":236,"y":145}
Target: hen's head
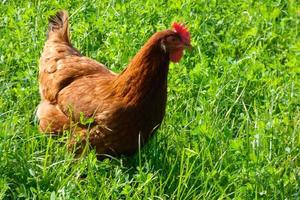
{"x":175,"y":41}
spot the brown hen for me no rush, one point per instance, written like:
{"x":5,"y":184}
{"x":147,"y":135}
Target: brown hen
{"x":125,"y":109}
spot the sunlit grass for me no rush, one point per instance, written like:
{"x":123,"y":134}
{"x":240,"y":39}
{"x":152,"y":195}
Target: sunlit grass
{"x":233,"y":118}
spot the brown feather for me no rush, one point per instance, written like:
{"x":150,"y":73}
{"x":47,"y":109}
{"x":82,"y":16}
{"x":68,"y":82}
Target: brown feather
{"x":59,"y":26}
{"x":126,"y":108}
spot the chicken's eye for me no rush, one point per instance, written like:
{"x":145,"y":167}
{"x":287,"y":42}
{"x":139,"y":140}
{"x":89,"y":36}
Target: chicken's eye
{"x":172,"y":39}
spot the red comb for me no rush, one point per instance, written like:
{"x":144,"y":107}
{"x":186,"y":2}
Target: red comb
{"x":182,"y":31}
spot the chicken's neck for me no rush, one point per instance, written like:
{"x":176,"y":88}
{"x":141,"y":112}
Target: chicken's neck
{"x":145,"y":77}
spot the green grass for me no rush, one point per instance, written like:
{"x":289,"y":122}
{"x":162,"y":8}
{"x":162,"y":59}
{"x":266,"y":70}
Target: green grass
{"x":232,"y":127}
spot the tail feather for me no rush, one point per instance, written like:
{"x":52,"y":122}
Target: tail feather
{"x":59,"y":26}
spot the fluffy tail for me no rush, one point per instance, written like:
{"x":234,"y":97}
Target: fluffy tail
{"x":58,"y":28}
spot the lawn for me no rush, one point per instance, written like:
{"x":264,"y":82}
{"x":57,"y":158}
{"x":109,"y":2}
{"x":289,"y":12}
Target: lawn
{"x":232,"y":126}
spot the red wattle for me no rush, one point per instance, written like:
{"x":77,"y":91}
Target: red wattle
{"x":176,"y":56}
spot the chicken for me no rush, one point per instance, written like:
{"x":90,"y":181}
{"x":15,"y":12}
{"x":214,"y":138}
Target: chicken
{"x":123,"y":109}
